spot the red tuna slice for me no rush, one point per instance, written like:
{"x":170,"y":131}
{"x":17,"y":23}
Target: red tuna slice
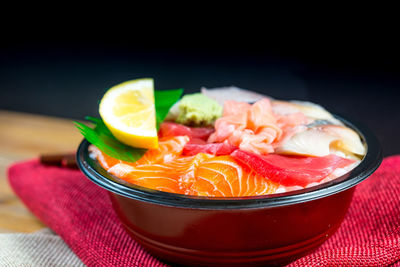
{"x":175,"y":129}
{"x":213,"y":148}
{"x":197,"y":141}
{"x":292,"y":170}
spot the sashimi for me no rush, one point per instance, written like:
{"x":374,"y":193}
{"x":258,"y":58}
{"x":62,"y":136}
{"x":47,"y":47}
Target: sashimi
{"x":197,"y":141}
{"x":255,"y":148}
{"x":212,"y":148}
{"x":311,"y":110}
{"x":175,"y":176}
{"x":169,"y":148}
{"x":223,"y":176}
{"x":155,"y":176}
{"x":319,"y":141}
{"x":292,"y":170}
{"x":168,"y":129}
{"x":250,"y":127}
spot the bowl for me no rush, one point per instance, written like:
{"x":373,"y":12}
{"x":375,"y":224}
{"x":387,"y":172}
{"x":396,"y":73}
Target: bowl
{"x":203,"y":231}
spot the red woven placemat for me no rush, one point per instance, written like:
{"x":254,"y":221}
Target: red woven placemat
{"x":81,"y":213}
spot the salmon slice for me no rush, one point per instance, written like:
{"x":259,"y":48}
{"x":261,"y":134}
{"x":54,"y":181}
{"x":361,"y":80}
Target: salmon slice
{"x":212,"y":148}
{"x":168,"y":149}
{"x":174,"y":176}
{"x":155,"y":176}
{"x":152,"y":170}
{"x":223,"y":176}
{"x":105,"y":160}
{"x":201,"y":174}
{"x":257,"y":128}
{"x":249,"y":127}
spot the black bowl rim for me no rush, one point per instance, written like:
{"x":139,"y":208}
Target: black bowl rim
{"x":371,"y":161}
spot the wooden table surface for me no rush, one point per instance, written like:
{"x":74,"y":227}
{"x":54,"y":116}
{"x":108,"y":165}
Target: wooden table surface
{"x":24,"y":136}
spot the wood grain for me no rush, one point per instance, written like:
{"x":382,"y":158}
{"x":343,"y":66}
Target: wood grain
{"x":24,"y":136}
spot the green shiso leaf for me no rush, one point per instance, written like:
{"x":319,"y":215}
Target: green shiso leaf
{"x":164,"y":100}
{"x":103,"y":139}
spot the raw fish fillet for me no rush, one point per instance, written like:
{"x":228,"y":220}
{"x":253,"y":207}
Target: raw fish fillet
{"x":166,"y":169}
{"x":168,"y":149}
{"x":309,"y":109}
{"x":321,"y":141}
{"x":168,"y":129}
{"x":174,"y":176}
{"x":292,"y":170}
{"x":255,"y":127}
{"x":235,"y":159}
{"x":212,"y":148}
{"x":223,"y":176}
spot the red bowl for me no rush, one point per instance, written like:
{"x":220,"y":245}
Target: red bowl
{"x":203,"y":231}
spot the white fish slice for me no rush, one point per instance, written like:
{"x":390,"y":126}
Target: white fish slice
{"x":320,"y":141}
{"x":348,"y":139}
{"x":309,"y":109}
{"x":311,"y":142}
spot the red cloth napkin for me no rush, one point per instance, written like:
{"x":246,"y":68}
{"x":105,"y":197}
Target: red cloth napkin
{"x":81,"y":213}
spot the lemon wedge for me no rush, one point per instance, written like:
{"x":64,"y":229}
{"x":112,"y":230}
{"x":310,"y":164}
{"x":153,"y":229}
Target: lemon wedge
{"x":128,"y":111}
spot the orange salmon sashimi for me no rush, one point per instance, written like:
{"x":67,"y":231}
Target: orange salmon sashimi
{"x":174,"y":176}
{"x":254,"y":128}
{"x":105,"y":160}
{"x":168,"y":149}
{"x":203,"y":174}
{"x":223,"y":176}
{"x":249,"y":127}
{"x":157,"y":169}
{"x":162,"y":169}
{"x":155,"y":176}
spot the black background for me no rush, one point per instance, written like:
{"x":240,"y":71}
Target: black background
{"x":66,"y":74}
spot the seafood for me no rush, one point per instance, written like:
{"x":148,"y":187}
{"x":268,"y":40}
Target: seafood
{"x":265,"y":147}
